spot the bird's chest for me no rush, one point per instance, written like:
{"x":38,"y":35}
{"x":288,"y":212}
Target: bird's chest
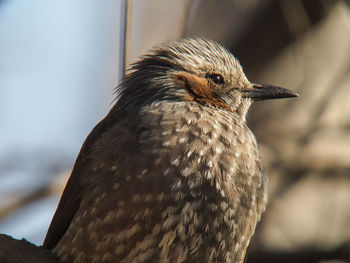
{"x":202,"y":146}
{"x":218,"y":187}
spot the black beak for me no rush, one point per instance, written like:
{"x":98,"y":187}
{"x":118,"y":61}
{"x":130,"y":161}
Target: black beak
{"x":266,"y":92}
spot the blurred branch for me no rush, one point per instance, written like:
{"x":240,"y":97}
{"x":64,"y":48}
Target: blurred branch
{"x":21,"y":200}
{"x":192,"y":7}
{"x":125,"y":27}
{"x":38,"y":194}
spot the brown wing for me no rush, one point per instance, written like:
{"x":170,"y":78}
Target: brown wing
{"x":72,"y":194}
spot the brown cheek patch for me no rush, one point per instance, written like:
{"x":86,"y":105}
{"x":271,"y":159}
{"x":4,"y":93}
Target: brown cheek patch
{"x":198,"y":86}
{"x":199,"y":90}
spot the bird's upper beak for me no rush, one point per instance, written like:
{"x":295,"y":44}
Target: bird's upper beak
{"x":266,"y":92}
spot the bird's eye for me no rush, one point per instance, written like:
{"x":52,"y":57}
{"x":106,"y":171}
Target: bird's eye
{"x":216,"y":78}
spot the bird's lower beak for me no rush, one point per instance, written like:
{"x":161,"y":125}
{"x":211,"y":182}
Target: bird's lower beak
{"x":266,"y":92}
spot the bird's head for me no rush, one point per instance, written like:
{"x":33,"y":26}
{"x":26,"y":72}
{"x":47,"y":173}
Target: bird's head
{"x":194,"y":70}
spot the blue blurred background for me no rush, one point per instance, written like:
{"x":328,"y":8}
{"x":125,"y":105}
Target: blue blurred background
{"x":59,"y":66}
{"x":58,"y":69}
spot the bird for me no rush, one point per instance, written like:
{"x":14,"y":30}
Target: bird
{"x":172,"y":173}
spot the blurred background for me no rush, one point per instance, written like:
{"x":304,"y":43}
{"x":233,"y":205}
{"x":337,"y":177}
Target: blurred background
{"x":60,"y":62}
